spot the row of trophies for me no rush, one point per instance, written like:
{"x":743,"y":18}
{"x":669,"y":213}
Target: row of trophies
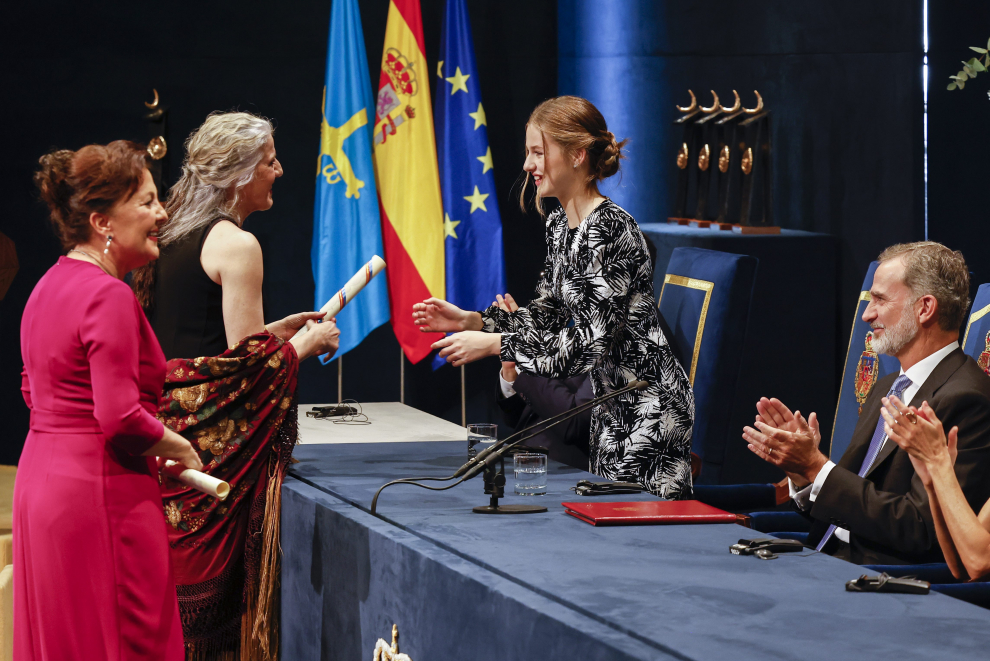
{"x":724,"y":179}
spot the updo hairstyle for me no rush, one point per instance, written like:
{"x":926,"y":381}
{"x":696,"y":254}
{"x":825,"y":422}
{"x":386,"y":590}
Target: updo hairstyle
{"x":575,"y":123}
{"x":221,"y":157}
{"x":75,"y":184}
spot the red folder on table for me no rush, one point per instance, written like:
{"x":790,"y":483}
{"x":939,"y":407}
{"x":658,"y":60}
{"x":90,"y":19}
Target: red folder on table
{"x":650,"y":512}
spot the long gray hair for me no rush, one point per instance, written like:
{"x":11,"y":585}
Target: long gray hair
{"x":221,"y":156}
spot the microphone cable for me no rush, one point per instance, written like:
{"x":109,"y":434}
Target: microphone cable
{"x":488,"y":455}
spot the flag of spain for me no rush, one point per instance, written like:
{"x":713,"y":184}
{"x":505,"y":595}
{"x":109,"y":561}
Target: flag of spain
{"x":408,"y":181}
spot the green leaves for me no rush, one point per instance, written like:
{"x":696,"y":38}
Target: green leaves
{"x":971,"y":67}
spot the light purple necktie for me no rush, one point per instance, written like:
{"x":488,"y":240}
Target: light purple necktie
{"x":900,"y":385}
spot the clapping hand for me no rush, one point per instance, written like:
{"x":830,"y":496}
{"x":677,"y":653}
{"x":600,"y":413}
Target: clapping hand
{"x":786,"y":440}
{"x":920,"y":433}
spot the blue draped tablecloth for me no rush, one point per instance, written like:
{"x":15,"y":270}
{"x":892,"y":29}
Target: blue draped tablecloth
{"x":547,"y":586}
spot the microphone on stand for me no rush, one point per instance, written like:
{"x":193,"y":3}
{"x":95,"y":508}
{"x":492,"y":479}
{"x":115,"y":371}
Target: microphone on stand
{"x":560,"y":417}
{"x":488,"y":456}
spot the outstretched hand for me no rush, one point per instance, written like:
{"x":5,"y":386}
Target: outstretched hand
{"x":468,"y":346}
{"x":436,"y":315}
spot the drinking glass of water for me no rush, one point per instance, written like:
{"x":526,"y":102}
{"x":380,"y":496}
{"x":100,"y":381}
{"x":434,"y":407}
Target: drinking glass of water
{"x":531,"y":473}
{"x":480,"y":436}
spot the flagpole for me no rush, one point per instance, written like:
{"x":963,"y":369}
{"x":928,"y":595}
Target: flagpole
{"x":340,"y":379}
{"x":402,"y":377}
{"x":463,"y":399}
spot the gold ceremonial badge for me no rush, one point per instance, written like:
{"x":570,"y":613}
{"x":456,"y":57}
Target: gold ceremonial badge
{"x":984,"y":361}
{"x":704,"y":157}
{"x":682,"y":156}
{"x":723,"y":159}
{"x":157,"y":148}
{"x":867,"y":370}
{"x":747,"y":161}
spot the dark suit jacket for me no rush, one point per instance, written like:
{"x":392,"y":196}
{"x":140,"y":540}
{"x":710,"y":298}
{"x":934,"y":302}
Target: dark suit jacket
{"x":538,"y":398}
{"x":887,"y":511}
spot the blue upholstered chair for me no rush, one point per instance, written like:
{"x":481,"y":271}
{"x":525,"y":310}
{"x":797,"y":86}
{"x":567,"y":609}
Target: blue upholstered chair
{"x":976,"y":339}
{"x":705,"y":300}
{"x":976,"y":343}
{"x":862,"y":368}
{"x":853,"y":388}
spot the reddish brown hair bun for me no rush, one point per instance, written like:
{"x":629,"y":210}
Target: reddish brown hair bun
{"x":75,"y":184}
{"x":575,"y":123}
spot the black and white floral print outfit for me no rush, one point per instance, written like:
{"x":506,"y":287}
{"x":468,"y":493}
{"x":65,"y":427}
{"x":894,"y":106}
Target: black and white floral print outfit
{"x":595,"y":311}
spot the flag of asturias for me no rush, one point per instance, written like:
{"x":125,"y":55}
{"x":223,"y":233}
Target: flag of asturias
{"x":347,"y":230}
{"x":475,"y":267}
{"x":408,"y":183}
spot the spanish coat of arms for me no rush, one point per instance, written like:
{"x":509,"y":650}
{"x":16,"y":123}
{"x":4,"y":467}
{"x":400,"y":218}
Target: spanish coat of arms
{"x":867,"y":370}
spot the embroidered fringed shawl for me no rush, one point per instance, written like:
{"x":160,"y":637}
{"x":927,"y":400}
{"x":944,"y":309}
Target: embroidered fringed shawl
{"x":239,"y":409}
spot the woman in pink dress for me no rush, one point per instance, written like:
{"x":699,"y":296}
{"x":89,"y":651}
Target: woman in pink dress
{"x":92,"y":577}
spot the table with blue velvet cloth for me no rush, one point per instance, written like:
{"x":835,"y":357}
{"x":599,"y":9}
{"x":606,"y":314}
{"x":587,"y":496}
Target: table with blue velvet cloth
{"x":547,"y":586}
{"x":791,"y":340}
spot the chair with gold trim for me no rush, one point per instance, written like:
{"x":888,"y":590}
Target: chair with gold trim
{"x":860,"y":371}
{"x":976,"y":339}
{"x":976,"y":343}
{"x":705,"y":299}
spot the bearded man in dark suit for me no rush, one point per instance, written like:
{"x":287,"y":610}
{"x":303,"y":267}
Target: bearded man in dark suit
{"x":871,"y":507}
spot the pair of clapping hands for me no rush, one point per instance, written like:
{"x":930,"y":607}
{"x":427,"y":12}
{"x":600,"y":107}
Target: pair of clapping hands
{"x":789,"y":441}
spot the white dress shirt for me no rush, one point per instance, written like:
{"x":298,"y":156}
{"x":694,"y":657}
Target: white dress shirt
{"x":918,"y":373}
{"x":507,"y":386}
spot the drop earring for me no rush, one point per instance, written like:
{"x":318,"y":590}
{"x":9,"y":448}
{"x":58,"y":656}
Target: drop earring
{"x":109,"y":239}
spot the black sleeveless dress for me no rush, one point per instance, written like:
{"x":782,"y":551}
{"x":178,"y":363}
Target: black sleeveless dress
{"x":187,"y":315}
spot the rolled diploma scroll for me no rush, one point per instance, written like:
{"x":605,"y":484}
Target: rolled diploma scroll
{"x":197,"y":480}
{"x":351,"y":289}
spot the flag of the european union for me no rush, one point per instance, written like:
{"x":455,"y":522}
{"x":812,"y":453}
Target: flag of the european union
{"x":472,"y":226}
{"x":346,"y":227}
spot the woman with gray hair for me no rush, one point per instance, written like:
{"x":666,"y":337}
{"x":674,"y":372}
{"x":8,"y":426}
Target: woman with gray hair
{"x":230,"y":386}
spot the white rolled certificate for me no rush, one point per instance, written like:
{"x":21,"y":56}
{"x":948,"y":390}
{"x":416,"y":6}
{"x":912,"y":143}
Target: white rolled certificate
{"x":351,"y":288}
{"x":197,"y":480}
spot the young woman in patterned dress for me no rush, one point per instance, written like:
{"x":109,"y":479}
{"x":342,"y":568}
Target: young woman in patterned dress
{"x":594,"y":309}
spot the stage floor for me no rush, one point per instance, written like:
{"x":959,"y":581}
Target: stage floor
{"x":547,"y":586}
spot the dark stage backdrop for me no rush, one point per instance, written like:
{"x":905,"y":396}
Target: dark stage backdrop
{"x":842,"y":78}
{"x":77,"y":73}
{"x":843,"y":82}
{"x":959,"y":135}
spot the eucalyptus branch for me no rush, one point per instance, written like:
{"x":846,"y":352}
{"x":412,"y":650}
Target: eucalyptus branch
{"x":974,"y":66}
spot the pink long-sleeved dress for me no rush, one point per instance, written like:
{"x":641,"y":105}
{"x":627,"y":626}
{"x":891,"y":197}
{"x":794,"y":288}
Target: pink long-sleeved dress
{"x":92,"y":575}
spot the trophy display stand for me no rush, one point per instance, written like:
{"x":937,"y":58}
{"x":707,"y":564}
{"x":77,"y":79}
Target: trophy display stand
{"x":709,"y":145}
{"x":686,"y":158}
{"x":157,"y":122}
{"x":756,"y":204}
{"x":732,"y":186}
